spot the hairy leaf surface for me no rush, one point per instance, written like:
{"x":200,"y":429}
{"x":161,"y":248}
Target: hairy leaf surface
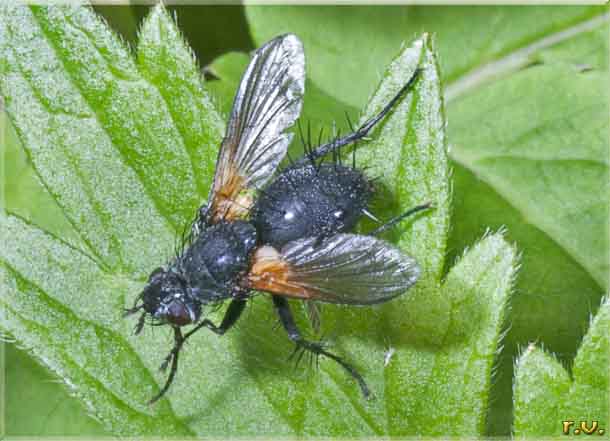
{"x":546,"y":394}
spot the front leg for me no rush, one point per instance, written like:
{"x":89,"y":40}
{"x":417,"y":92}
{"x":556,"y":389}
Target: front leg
{"x":283,"y":310}
{"x":236,"y":307}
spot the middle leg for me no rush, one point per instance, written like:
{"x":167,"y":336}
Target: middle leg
{"x":283,"y":310}
{"x":394,"y":221}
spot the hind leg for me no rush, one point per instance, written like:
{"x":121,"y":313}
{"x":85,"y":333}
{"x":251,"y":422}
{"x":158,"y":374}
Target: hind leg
{"x":363,"y":130}
{"x":294,"y":334}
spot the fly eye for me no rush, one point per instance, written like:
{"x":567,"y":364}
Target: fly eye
{"x":178,"y":313}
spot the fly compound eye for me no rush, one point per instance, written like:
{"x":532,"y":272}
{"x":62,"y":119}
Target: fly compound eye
{"x":178,"y":313}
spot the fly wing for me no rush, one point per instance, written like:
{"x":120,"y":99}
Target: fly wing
{"x":346,"y":269}
{"x":312,"y":309}
{"x":268,"y":101}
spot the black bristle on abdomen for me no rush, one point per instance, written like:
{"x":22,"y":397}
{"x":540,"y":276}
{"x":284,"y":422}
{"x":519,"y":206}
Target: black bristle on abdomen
{"x":310,"y":201}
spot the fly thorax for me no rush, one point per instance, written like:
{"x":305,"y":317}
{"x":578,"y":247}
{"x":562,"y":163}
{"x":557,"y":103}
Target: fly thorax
{"x":217,"y":259}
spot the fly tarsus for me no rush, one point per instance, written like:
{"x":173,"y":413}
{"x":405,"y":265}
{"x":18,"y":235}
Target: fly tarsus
{"x":173,"y":357}
{"x":317,"y":349}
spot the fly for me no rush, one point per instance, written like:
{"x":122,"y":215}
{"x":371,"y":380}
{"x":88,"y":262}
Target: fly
{"x":286,"y":234}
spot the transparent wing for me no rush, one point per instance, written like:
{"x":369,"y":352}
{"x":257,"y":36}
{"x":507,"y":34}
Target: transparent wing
{"x":346,"y":268}
{"x":312,"y":310}
{"x":268,"y":101}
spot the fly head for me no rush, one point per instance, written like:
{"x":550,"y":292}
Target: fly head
{"x":167,"y":299}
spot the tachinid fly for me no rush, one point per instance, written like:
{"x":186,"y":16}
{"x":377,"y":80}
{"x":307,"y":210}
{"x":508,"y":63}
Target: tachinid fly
{"x":288,"y":237}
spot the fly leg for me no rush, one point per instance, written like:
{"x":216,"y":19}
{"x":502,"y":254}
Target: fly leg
{"x":294,"y":334}
{"x":392,"y":222}
{"x":173,"y":357}
{"x":234,"y":310}
{"x":362,"y":131}
{"x":236,"y":307}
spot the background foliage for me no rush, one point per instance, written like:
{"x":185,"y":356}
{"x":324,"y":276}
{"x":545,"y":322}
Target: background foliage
{"x":529,"y":150}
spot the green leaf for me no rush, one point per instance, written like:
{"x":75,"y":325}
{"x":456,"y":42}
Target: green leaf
{"x":211,"y":29}
{"x":522,"y":82}
{"x":44,"y":406}
{"x":76,"y":78}
{"x":63,"y":301}
{"x":546,"y":394}
{"x":23,"y":192}
{"x":538,"y":165}
{"x":169,"y":64}
{"x":550,"y":284}
{"x":558,"y":151}
{"x":48,"y":408}
{"x":77,"y":336}
{"x":350,"y":45}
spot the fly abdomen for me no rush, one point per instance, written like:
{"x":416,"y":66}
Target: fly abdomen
{"x":310,"y":201}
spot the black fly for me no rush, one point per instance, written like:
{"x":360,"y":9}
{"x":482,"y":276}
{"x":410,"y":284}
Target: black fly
{"x":288,"y":237}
